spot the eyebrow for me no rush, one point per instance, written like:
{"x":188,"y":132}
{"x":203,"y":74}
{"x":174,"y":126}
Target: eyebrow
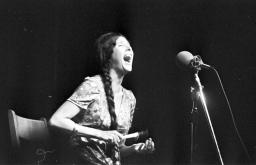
{"x":122,"y":42}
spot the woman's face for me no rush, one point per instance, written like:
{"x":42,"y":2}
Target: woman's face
{"x":122,"y":56}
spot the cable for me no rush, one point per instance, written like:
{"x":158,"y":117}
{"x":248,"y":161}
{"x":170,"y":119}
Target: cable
{"x":232,"y":116}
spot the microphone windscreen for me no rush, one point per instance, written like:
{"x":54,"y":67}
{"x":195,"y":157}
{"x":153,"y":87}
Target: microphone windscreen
{"x":183,"y":59}
{"x":143,"y":133}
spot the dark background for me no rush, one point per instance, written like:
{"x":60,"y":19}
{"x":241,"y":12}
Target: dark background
{"x":47,"y":48}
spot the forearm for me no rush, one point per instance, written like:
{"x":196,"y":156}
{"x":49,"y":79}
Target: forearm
{"x":61,"y":119}
{"x":68,"y":125}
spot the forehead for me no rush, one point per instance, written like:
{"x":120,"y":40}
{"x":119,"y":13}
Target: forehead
{"x":122,"y":40}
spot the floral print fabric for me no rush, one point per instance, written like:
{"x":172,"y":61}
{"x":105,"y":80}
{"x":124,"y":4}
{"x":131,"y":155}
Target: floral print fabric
{"x":91,"y":99}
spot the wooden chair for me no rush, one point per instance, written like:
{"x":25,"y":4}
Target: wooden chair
{"x":29,"y":130}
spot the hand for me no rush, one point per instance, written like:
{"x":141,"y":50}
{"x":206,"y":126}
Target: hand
{"x":113,"y":137}
{"x":147,"y":147}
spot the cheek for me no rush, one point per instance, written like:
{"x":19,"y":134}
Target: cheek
{"x":117,"y":57}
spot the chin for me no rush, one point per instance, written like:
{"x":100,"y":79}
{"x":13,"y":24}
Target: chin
{"x":127,"y":70}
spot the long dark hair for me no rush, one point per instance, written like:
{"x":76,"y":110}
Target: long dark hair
{"x":105,"y":44}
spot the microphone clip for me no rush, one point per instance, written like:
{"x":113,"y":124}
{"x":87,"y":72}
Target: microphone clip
{"x":196,"y":62}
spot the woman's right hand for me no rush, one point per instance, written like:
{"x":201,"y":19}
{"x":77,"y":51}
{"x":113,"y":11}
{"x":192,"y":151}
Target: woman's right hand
{"x":113,"y":137}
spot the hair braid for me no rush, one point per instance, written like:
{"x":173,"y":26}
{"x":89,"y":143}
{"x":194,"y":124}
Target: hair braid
{"x":105,"y":44}
{"x":109,"y":95}
{"x":111,"y":107}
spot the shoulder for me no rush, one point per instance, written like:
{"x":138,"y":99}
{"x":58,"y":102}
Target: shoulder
{"x":93,"y":81}
{"x":129,"y":94}
{"x":90,"y":84}
{"x":87,"y":91}
{"x":96,"y":79}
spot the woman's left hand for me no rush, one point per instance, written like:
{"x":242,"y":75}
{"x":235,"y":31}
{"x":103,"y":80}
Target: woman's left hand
{"x":147,"y":147}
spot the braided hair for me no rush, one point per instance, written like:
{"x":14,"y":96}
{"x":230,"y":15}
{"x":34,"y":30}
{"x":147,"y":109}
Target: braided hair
{"x":105,"y":44}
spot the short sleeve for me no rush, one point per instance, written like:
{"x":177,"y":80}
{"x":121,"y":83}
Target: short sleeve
{"x":86,"y":93}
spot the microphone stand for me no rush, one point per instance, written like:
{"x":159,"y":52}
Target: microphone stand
{"x":197,"y":93}
{"x":193,"y":121}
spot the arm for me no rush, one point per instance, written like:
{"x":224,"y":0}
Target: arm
{"x":62,"y":119}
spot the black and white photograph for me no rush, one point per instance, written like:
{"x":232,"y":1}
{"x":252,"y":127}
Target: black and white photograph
{"x":127,"y":82}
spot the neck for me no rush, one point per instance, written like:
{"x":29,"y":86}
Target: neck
{"x":117,"y":79}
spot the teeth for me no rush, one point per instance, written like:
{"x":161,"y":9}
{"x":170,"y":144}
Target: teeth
{"x":127,"y":58}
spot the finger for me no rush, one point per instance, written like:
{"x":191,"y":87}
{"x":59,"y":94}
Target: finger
{"x":117,"y":136}
{"x":150,"y":142}
{"x":120,"y":136}
{"x":153,"y":145}
{"x":147,"y":143}
{"x":113,"y":139}
{"x":138,"y":147}
{"x":141,"y":147}
{"x":116,"y":140}
{"x":148,"y":146}
{"x":122,"y":141}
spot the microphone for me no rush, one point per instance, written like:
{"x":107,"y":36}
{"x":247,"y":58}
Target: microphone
{"x":186,"y":59}
{"x":135,"y":135}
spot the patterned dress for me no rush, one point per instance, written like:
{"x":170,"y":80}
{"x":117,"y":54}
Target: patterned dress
{"x":90,"y":97}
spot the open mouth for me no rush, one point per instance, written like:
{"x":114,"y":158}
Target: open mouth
{"x":127,"y":58}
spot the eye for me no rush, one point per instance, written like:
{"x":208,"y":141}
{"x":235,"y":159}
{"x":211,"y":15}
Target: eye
{"x":121,"y":45}
{"x":125,"y":46}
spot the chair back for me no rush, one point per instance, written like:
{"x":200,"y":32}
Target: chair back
{"x":27,"y":129}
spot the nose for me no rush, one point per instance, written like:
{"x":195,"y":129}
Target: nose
{"x":128,"y":49}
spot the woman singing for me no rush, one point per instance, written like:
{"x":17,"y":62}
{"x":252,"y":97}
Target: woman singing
{"x":100,"y":112}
